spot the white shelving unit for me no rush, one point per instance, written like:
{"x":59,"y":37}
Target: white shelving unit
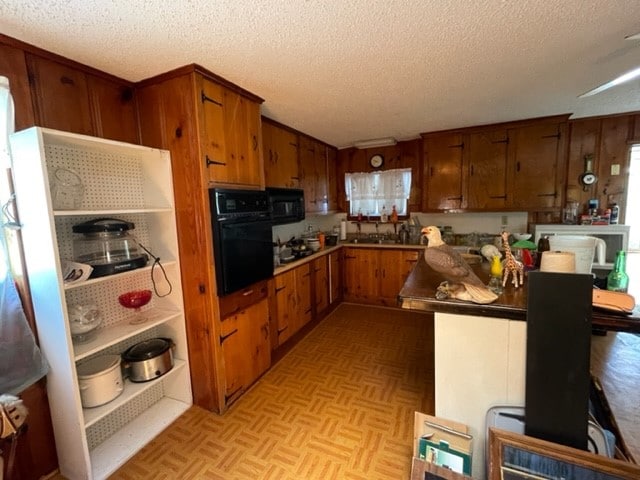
{"x":132,"y":183}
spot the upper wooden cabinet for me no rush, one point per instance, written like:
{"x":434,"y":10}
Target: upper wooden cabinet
{"x":536,"y":174}
{"x":280,"y":154}
{"x":69,"y":99}
{"x":313,"y":174}
{"x":488,"y":169}
{"x":231,"y":136}
{"x":444,"y":172}
{"x":13,"y":66}
{"x":514,"y":166}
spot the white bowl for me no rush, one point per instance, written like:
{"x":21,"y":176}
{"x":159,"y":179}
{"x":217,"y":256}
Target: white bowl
{"x":522,"y":236}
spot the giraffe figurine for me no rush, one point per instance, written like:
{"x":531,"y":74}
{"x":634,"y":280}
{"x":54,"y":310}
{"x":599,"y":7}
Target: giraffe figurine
{"x":511,"y":265}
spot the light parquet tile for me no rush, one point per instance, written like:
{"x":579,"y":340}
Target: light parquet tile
{"x":338,"y":406}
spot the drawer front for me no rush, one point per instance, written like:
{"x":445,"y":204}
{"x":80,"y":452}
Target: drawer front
{"x":236,"y":301}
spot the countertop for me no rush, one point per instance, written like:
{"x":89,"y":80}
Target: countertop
{"x":418,"y":293}
{"x":327,"y":250}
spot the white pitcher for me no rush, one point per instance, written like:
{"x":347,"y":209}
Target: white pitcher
{"x":583,"y":247}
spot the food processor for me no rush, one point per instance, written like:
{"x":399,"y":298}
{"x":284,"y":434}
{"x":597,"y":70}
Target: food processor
{"x":106,"y":245}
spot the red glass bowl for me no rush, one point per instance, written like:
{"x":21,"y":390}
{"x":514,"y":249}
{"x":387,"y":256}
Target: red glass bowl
{"x":135,"y":298}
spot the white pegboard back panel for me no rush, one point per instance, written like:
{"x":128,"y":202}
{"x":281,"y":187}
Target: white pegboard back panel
{"x":103,"y":429}
{"x":112,"y":179}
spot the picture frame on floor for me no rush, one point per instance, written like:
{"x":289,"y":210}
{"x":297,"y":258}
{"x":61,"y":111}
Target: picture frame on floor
{"x":513,"y":456}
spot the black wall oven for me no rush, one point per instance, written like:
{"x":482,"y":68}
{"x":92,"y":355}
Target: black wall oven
{"x":242,"y":238}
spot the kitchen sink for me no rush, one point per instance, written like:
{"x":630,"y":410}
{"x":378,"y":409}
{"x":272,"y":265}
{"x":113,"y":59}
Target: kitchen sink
{"x":374,"y":241}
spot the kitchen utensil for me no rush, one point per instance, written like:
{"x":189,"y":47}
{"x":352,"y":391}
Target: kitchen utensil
{"x":582,"y":246}
{"x":136,"y":299}
{"x":148,"y":360}
{"x":100,"y":380}
{"x":106,"y":245}
{"x":83,"y":322}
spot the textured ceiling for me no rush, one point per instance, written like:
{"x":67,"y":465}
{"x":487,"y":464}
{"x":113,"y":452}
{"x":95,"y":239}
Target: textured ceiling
{"x":347,"y":70}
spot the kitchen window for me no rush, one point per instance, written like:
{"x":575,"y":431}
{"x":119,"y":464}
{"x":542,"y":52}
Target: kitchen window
{"x":370,"y":192}
{"x":633,"y":199}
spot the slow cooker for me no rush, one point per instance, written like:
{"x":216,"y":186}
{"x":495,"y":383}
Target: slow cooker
{"x":149,"y":359}
{"x":100,"y":380}
{"x":106,"y":245}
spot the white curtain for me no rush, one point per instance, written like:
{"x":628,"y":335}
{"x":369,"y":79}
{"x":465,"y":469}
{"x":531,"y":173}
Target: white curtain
{"x":370,"y":192}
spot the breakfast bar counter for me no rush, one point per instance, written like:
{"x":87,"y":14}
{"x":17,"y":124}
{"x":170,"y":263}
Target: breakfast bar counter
{"x":480,"y":354}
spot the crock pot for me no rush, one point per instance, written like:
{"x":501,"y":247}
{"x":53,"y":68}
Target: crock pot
{"x":100,"y":380}
{"x":148,"y":360}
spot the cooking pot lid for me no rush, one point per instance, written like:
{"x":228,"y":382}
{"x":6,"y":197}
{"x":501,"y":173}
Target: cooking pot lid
{"x":147,"y":349}
{"x":102,"y":225}
{"x":98,"y":366}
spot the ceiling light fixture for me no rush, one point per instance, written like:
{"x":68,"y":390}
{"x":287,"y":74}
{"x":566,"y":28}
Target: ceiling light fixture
{"x":616,"y":81}
{"x":375,"y":142}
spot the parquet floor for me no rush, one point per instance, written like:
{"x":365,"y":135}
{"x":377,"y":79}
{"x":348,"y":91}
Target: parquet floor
{"x":340,"y":405}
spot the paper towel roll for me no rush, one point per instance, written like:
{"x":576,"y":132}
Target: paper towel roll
{"x":559,"y":262}
{"x":343,"y":230}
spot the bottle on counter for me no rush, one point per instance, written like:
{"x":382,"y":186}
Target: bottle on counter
{"x":384,"y":217}
{"x":615,"y":212}
{"x":394,"y":215}
{"x":543,"y":246}
{"x":618,"y":280}
{"x":359,"y":214}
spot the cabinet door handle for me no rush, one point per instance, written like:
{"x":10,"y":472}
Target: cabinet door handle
{"x":224,"y":337}
{"x":431,"y":171}
{"x":213,"y":162}
{"x":555,"y":135}
{"x":554,"y":194}
{"x":307,"y":274}
{"x":458,"y":145}
{"x":248,"y":292}
{"x":204,"y":98}
{"x":67,"y":81}
{"x":282,"y":329}
{"x":471,"y":170}
{"x":293,"y":144}
{"x":307,"y":310}
{"x":384,"y":273}
{"x":517,"y":166}
{"x":498,"y":196}
{"x":348,"y":257}
{"x":279,"y":289}
{"x":255,"y":142}
{"x":295,"y":178}
{"x":506,"y":140}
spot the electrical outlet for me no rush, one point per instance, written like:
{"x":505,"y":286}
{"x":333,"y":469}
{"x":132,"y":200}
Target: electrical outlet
{"x":505,"y":220}
{"x":615,"y":169}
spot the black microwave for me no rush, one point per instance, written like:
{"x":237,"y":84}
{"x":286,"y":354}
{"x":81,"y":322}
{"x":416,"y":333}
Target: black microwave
{"x":286,"y":205}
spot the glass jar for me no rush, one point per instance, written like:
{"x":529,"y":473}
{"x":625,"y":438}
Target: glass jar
{"x":67,"y":189}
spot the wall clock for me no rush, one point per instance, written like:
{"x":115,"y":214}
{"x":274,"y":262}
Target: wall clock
{"x":376,"y":160}
{"x":588,"y":178}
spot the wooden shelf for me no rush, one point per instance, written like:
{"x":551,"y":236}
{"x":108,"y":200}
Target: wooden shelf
{"x":131,"y":390}
{"x":107,"y":457}
{"x":106,"y":278}
{"x":115,"y":333}
{"x":114,"y":211}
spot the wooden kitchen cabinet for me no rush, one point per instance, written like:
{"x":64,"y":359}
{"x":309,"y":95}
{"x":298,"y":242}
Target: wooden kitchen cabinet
{"x":320,"y":289}
{"x":444,"y":172}
{"x":231,"y":136}
{"x":292,"y":301}
{"x":536,"y":175}
{"x":336,"y":274}
{"x":14,"y":66}
{"x":173,"y":116}
{"x":487,"y":184}
{"x":69,"y":99}
{"x":332,"y":179}
{"x":60,"y":96}
{"x":376,"y":275}
{"x":246,"y":348}
{"x":313,"y":174}
{"x":280,"y":151}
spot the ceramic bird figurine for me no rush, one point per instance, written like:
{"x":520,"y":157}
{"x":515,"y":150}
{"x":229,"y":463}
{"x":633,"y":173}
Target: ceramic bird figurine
{"x":461,"y":283}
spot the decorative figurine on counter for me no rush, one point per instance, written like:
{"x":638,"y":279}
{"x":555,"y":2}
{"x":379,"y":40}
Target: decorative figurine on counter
{"x":511,"y":265}
{"x":461,"y":283}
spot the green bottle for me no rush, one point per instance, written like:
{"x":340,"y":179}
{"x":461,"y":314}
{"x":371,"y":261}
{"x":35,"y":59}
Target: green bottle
{"x":618,"y":280}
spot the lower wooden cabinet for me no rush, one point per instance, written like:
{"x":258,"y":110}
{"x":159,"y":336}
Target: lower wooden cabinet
{"x":335,"y":277}
{"x":320,"y":290}
{"x":376,"y":276}
{"x":246,"y":348}
{"x":293,"y":306}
